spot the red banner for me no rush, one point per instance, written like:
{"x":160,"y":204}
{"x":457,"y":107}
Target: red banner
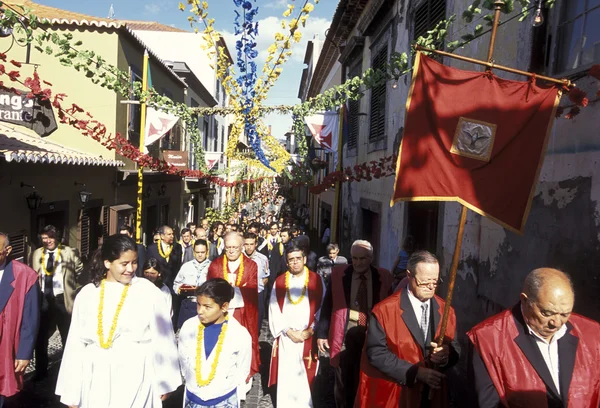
{"x":474,"y":138}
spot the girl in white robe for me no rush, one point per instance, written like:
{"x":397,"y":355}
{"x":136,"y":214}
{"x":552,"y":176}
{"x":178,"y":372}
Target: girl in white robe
{"x":130,"y":360}
{"x":225,"y":350}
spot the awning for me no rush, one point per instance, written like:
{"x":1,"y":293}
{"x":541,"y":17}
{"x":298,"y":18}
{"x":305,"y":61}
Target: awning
{"x":16,"y":145}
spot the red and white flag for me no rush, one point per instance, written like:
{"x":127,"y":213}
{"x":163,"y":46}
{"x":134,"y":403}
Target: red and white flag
{"x":158,"y":124}
{"x":325,"y":128}
{"x":212,"y":158}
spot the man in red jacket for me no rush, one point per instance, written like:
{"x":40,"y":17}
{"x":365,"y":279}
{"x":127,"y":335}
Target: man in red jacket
{"x":19,"y":319}
{"x":538,"y":354}
{"x":402,"y":365}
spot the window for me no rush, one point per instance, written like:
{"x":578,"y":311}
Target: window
{"x":205,"y":135}
{"x":578,"y":35}
{"x":378,"y":97}
{"x":218,"y":89}
{"x":222,"y":139}
{"x":215,"y":141}
{"x":135,"y":112}
{"x":354,"y":110}
{"x":428,"y":15}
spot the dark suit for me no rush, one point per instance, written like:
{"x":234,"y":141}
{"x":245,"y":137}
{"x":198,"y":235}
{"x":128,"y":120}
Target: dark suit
{"x":402,"y":371}
{"x":486,"y":393}
{"x":141,"y":259}
{"x":348,"y":372}
{"x":169,"y":268}
{"x":29,"y":323}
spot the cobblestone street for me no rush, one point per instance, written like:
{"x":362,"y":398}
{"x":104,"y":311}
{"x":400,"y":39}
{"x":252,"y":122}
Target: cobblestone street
{"x":40,"y":394}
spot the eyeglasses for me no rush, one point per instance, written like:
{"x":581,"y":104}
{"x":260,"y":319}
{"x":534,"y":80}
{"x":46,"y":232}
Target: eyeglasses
{"x":295,"y":260}
{"x":427,"y":284}
{"x":232,"y":248}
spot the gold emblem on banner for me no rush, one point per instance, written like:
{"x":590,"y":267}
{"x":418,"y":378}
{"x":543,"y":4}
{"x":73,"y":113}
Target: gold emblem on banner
{"x":474,"y":139}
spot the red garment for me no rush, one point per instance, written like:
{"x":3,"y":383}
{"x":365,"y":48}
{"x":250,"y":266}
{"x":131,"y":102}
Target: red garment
{"x":311,"y":352}
{"x":247,"y":316}
{"x":10,"y":327}
{"x":475,"y":138}
{"x":376,"y":390}
{"x":517,"y":382}
{"x":339,"y":315}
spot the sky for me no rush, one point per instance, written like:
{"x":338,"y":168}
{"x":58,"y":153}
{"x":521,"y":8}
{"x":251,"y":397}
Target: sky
{"x":270,"y":15}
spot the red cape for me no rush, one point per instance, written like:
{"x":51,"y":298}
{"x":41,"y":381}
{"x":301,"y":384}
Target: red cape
{"x":247,"y":316}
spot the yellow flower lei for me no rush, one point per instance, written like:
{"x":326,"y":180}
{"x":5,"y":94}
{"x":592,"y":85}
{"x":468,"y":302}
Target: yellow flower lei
{"x":55,"y":260}
{"x":213,"y":369}
{"x":287,"y":287}
{"x":270,"y":245}
{"x":160,"y":250}
{"x":240,"y":273}
{"x":108,"y":343}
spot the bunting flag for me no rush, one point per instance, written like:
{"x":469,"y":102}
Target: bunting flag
{"x":158,"y":124}
{"x":324,"y":127}
{"x":474,"y":138}
{"x":212,"y":158}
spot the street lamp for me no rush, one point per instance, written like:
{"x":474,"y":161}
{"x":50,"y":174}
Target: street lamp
{"x":84,"y":196}
{"x":34,"y":200}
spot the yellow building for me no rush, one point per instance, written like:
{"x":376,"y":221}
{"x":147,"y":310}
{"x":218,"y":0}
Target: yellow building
{"x":60,"y":164}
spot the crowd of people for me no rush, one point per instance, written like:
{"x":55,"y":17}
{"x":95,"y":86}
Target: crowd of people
{"x":190,"y":312}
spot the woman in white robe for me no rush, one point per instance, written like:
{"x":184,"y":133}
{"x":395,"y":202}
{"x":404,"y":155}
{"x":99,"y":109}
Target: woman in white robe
{"x":138,"y":367}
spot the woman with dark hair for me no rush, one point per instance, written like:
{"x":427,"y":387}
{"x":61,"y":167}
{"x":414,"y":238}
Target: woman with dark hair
{"x":121,"y":337}
{"x":215,"y":351}
{"x":153,"y":272}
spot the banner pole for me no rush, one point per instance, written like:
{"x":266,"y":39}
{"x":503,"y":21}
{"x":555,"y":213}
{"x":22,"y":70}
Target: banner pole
{"x":140,"y":183}
{"x":338,"y":186}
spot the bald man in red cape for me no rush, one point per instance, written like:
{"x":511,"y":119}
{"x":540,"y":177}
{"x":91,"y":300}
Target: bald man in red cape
{"x":246,"y":288}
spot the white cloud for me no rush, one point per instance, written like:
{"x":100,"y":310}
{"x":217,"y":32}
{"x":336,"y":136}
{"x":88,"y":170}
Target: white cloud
{"x":152,"y":8}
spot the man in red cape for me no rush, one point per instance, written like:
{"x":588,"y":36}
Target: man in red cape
{"x":538,"y":354}
{"x":19,"y":319}
{"x":245,"y":303}
{"x":397,"y":365}
{"x":293,"y":312}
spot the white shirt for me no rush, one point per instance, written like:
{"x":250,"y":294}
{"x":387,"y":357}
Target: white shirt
{"x":57,"y":275}
{"x":2,"y":271}
{"x":416,"y":305}
{"x":550,"y":352}
{"x":191,"y":273}
{"x":263,"y":268}
{"x":233,"y":266}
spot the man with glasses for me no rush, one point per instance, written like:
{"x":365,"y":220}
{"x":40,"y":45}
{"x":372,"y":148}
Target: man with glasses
{"x":351,"y":294}
{"x":404,"y":365}
{"x":294,"y":311}
{"x":191,"y":275}
{"x":242,"y":273}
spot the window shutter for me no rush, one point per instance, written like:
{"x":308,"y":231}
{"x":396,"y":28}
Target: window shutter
{"x":84,"y":233}
{"x":427,"y":16}
{"x":105,"y":221}
{"x":18,"y":242}
{"x":378,"y":97}
{"x":354,"y":111}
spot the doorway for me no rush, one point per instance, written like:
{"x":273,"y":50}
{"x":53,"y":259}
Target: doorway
{"x":56,"y":214}
{"x":422,"y":224}
{"x":371,"y":228}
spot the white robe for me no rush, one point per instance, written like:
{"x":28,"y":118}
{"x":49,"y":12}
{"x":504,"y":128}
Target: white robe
{"x":142,"y":363}
{"x":293,"y":389}
{"x":234,"y":361}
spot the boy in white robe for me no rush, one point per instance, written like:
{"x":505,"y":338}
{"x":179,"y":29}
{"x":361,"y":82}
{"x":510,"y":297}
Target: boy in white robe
{"x":225,"y":346}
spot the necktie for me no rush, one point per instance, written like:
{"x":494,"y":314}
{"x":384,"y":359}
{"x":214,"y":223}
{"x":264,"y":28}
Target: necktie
{"x":362,"y":301}
{"x":48,"y":284}
{"x":424,"y":320}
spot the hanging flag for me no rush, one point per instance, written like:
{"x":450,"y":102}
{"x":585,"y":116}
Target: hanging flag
{"x":324,"y":127}
{"x":158,"y":124}
{"x":474,"y":138}
{"x":212,"y":158}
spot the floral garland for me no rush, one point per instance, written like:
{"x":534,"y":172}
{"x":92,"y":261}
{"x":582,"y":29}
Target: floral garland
{"x":287,"y":287}
{"x":213,"y":369}
{"x":108,"y":343}
{"x":240,"y":274}
{"x":160,"y":250}
{"x":56,"y":260}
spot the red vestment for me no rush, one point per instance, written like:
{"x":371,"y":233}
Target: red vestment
{"x":11,"y":319}
{"x":247,"y":316}
{"x":517,"y":381}
{"x":377,"y":390}
{"x":311,"y":352}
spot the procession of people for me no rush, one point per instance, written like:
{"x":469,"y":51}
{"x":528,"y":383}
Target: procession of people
{"x":190,"y":316}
